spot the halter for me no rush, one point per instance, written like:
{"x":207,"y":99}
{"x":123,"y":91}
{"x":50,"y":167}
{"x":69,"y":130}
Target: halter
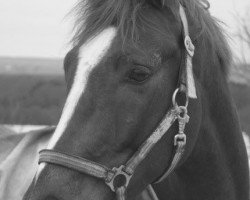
{"x":118,"y":178}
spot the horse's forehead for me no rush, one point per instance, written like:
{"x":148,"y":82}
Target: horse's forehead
{"x":90,"y":55}
{"x":92,"y":50}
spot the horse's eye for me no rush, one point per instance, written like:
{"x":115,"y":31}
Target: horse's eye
{"x":139,"y":74}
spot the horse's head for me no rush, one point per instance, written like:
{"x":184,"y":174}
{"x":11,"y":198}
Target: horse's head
{"x":121,"y":76}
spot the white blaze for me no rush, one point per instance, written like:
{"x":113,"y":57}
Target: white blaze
{"x":90,"y":54}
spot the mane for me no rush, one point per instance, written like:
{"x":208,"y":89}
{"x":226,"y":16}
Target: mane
{"x":92,"y":16}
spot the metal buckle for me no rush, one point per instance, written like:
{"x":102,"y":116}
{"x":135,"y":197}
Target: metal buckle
{"x":183,"y":119}
{"x":180,"y":138}
{"x":119,"y":175}
{"x":189,"y":46}
{"x":175,"y":104}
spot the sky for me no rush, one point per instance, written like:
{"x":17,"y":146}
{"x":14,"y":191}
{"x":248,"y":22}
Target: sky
{"x":40,"y":28}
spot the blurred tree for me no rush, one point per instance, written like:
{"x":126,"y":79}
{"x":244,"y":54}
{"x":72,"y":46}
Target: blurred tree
{"x":243,"y":34}
{"x":240,"y":71}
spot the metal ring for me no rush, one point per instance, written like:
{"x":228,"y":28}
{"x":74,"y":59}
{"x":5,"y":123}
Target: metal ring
{"x":116,"y":173}
{"x":175,"y":104}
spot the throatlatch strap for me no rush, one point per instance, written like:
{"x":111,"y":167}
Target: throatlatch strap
{"x":177,"y":157}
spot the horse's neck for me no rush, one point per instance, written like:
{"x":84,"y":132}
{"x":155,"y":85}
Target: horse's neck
{"x":217,"y":168}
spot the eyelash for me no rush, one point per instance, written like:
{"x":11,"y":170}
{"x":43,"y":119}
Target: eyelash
{"x":139,"y":74}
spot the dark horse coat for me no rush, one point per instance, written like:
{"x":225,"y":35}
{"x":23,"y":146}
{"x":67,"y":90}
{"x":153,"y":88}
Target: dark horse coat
{"x":121,"y":74}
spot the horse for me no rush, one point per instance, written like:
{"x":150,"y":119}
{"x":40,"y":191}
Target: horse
{"x":148,"y":108}
{"x":18,"y":159}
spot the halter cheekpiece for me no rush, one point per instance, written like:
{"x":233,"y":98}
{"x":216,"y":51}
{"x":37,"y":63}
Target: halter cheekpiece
{"x":118,"y":178}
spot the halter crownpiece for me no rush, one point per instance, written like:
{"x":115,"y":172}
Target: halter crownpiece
{"x":118,"y":178}
{"x":187,"y":81}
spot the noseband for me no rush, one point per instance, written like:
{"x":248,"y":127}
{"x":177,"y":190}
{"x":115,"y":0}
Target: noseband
{"x":118,"y":178}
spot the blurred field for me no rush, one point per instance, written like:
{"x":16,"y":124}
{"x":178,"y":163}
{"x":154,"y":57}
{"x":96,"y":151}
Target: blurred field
{"x":31,"y":66}
{"x":29,"y":98}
